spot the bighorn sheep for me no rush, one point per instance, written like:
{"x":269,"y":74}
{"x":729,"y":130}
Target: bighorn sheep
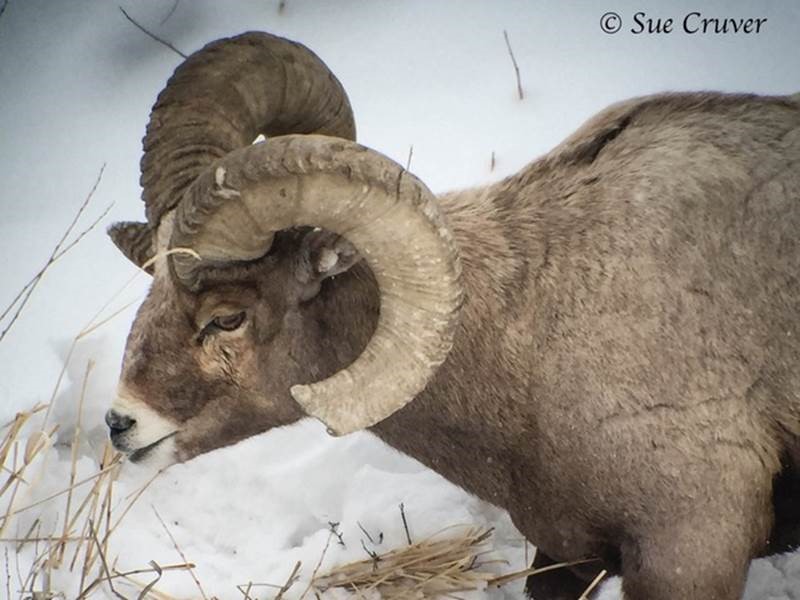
{"x":606,"y":344}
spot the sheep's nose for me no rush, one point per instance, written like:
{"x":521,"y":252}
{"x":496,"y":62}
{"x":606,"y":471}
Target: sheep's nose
{"x":118,"y":423}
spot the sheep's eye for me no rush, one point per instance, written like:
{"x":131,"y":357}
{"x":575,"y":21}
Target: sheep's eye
{"x":228,"y":322}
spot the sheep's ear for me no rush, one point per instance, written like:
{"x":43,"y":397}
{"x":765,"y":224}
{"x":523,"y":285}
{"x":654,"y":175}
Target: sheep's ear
{"x":135,"y":240}
{"x":322,"y":254}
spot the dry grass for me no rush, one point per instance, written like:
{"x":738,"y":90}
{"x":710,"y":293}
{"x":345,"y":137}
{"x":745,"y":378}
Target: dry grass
{"x":440,"y":566}
{"x":77,"y":540}
{"x":435,"y":567}
{"x":80,"y":544}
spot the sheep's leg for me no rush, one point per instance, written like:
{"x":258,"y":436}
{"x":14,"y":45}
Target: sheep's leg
{"x":702,"y":560}
{"x":785,"y":534}
{"x":558,"y":584}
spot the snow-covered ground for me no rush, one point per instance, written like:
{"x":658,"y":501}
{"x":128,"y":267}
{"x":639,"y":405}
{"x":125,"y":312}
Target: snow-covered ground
{"x":76,"y":84}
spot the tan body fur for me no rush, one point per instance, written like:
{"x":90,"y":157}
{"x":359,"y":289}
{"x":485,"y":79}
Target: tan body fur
{"x":627,"y":366}
{"x":625,"y":376}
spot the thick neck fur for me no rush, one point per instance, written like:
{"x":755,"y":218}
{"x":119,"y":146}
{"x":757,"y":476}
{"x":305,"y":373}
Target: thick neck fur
{"x":469,"y":411}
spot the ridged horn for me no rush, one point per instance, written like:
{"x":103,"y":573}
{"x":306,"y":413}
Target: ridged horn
{"x":226,"y":94}
{"x":220,"y":99}
{"x":231,"y":211}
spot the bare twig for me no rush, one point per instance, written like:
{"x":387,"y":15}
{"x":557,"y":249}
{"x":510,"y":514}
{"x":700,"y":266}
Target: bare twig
{"x":171,"y":12}
{"x":410,"y":154}
{"x":152,"y":35}
{"x":90,"y":501}
{"x":74,"y":460}
{"x":96,"y":513}
{"x":8,"y":572}
{"x":127,"y":574}
{"x":113,"y":315}
{"x":64,"y":491}
{"x":153,"y":569}
{"x":94,"y":323}
{"x":405,"y":523}
{"x":246,"y":591}
{"x":319,"y":564}
{"x":504,"y":579}
{"x":6,"y":518}
{"x":57,"y":250}
{"x":178,"y":549}
{"x":250,"y":585}
{"x":593,"y":585}
{"x":21,"y":299}
{"x":293,"y":577}
{"x":335,"y":530}
{"x":369,"y":537}
{"x":103,"y":561}
{"x":81,"y":235}
{"x":371,"y":553}
{"x":516,"y":66}
{"x":492,"y":162}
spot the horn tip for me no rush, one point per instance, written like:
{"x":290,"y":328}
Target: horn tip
{"x":309,"y":402}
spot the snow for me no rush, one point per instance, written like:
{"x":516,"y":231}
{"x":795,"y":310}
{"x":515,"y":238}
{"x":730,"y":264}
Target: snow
{"x":76,"y":84}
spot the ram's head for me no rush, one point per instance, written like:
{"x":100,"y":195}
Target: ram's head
{"x":246,"y":326}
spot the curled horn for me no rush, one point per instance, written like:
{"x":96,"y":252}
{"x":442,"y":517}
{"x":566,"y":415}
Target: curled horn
{"x":393,"y":220}
{"x":220,"y":99}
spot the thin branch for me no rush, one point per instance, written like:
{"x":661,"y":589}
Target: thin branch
{"x":246,"y":592}
{"x":504,"y":579}
{"x":62,"y":492}
{"x":410,"y":154}
{"x":182,"y":567}
{"x":152,"y":35}
{"x":366,"y":533}
{"x":82,"y":208}
{"x":371,"y":553}
{"x":593,"y":585}
{"x":103,"y":561}
{"x":113,"y":315}
{"x":8,"y":571}
{"x":127,"y":574}
{"x":319,"y":564}
{"x":293,"y":577}
{"x":178,"y":549}
{"x":516,"y":66}
{"x":405,"y":523}
{"x":335,"y":529}
{"x":171,"y":12}
{"x":83,"y":233}
{"x":21,"y":299}
{"x":73,"y":470}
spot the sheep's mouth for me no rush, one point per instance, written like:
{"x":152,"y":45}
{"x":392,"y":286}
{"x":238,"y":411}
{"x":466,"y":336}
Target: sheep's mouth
{"x":142,"y":453}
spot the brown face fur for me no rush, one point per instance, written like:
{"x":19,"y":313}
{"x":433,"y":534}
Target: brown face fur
{"x":218,"y":386}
